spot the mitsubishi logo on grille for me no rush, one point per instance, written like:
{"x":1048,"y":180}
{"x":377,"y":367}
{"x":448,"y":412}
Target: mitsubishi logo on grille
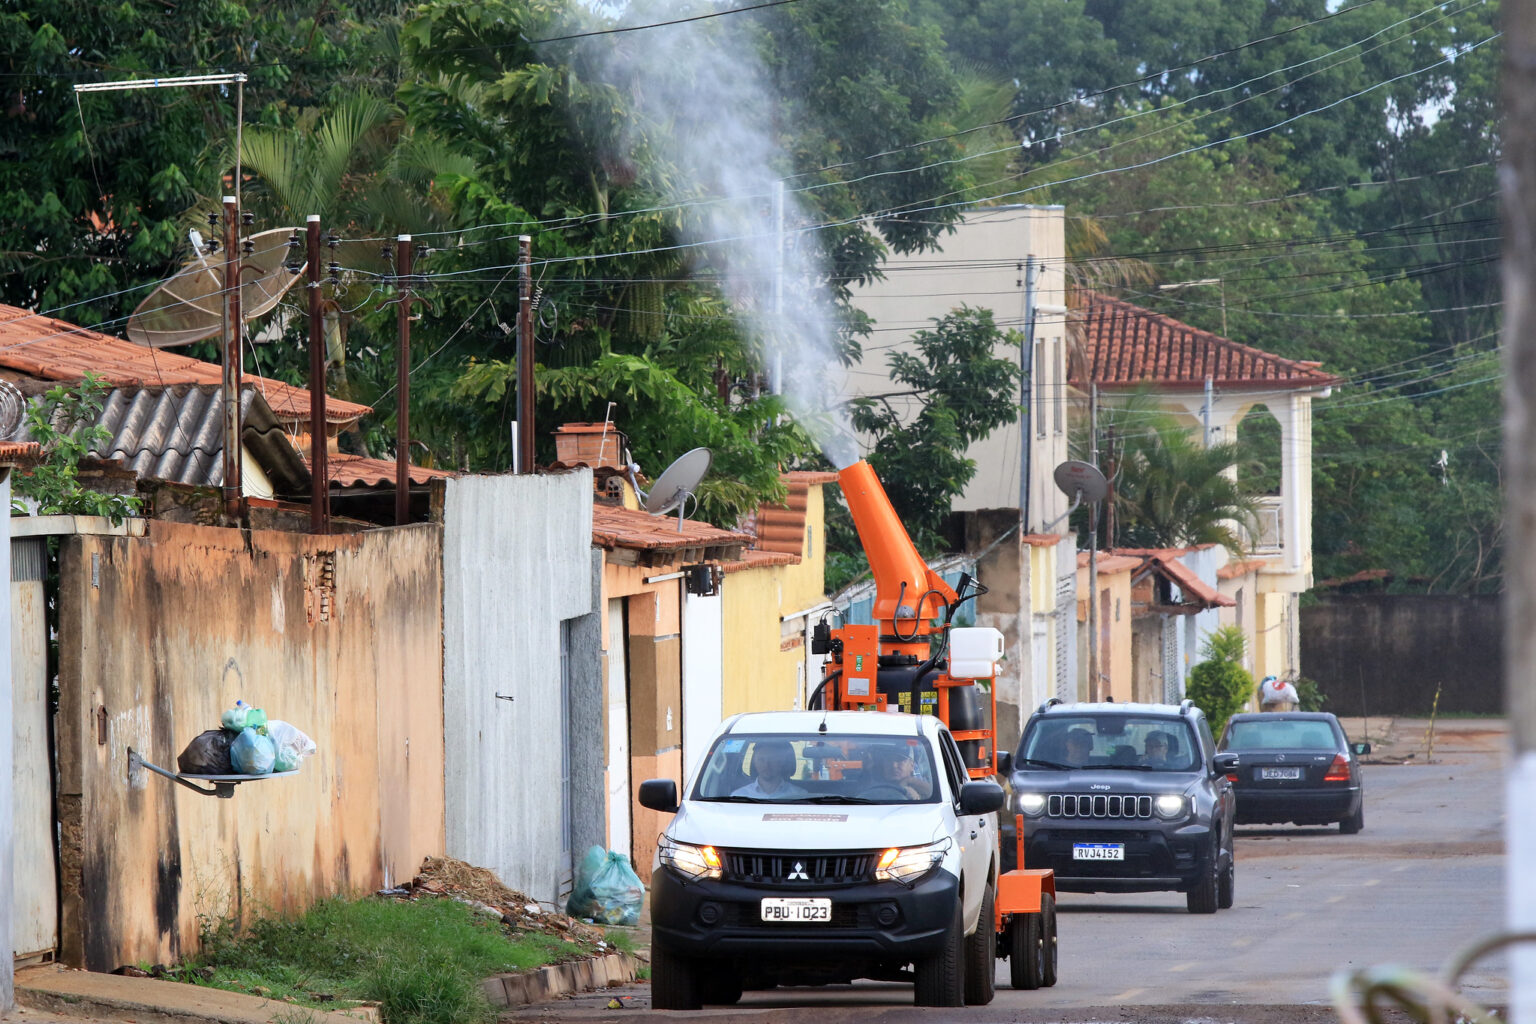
{"x":798,"y":874}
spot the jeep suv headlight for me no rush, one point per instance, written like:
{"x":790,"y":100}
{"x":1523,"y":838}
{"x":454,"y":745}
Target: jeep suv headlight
{"x":1170,"y":805}
{"x":690,"y":861}
{"x":1030,"y":804}
{"x":906,"y":864}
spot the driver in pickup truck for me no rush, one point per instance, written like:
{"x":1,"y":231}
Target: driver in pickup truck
{"x":773,"y":762}
{"x":894,"y":767}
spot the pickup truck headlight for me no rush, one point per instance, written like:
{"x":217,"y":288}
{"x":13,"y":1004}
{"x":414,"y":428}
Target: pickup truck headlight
{"x":1170,"y":805}
{"x":906,"y":864}
{"x":1030,"y":804}
{"x":690,"y":861}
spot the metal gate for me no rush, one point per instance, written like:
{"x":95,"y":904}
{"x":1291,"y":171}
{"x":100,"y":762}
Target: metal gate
{"x":35,"y":917}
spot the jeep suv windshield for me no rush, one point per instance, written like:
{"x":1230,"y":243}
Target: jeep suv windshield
{"x":1115,"y":740}
{"x":817,"y":769}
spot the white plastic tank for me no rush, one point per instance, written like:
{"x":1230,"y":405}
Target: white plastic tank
{"x":974,"y":652}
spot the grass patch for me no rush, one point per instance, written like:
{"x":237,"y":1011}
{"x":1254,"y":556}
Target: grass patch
{"x":421,"y":961}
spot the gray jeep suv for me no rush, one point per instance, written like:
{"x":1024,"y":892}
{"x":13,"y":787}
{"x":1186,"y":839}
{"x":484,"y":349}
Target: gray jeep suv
{"x":1125,"y":798}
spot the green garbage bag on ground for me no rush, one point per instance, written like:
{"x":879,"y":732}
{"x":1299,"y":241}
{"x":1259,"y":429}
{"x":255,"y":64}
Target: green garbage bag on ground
{"x":607,"y":890}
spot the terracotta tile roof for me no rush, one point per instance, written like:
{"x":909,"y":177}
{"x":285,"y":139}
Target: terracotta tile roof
{"x":640,"y":538}
{"x":1195,"y":590}
{"x":20,"y":454}
{"x":1125,"y":345}
{"x":1042,"y":540}
{"x":1232,"y":570}
{"x":753,"y":558}
{"x":42,"y":346}
{"x":782,"y":527}
{"x":810,"y":476}
{"x":1111,"y":563}
{"x":357,"y":470}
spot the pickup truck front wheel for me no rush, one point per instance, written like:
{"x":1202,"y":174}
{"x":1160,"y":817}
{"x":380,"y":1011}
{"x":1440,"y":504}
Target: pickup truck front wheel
{"x":940,"y":978}
{"x":674,"y":981}
{"x":981,"y":955}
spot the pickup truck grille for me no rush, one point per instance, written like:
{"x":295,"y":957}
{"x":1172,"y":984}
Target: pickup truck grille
{"x":1098,"y":805}
{"x":779,"y":868}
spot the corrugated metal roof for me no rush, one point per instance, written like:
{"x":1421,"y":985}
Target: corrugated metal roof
{"x":42,"y":346}
{"x":177,"y":434}
{"x":1126,"y":345}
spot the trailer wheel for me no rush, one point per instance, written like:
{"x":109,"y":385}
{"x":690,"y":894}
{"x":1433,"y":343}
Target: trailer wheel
{"x":674,"y":982}
{"x":941,"y":977}
{"x":1026,"y":954}
{"x":1048,"y":939}
{"x":981,"y":955}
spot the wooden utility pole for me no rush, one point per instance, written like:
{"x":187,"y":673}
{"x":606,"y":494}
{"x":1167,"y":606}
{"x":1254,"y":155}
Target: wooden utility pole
{"x":234,"y":491}
{"x":403,"y":382}
{"x":319,"y":471}
{"x":525,"y":354}
{"x":1518,"y":175}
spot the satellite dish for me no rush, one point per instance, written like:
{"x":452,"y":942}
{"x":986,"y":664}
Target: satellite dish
{"x":189,"y":306}
{"x":676,"y":483}
{"x":1080,"y":481}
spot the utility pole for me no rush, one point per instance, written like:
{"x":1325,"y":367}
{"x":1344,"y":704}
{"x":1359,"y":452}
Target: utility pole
{"x":403,"y":382}
{"x":1093,"y":551}
{"x":776,"y":363}
{"x":525,"y":354}
{"x":1026,"y":368}
{"x":234,"y":492}
{"x":319,"y":470}
{"x":1518,"y":176}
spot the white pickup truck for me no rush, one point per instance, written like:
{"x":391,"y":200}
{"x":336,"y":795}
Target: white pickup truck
{"x":818,"y":847}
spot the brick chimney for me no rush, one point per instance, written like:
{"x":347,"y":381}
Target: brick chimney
{"x":596,"y":445}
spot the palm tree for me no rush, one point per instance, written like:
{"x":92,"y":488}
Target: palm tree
{"x":1170,"y":491}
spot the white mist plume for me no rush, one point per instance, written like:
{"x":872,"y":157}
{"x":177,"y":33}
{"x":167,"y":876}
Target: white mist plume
{"x":702,"y":94}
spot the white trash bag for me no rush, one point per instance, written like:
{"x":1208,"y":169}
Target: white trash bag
{"x":292,"y":745}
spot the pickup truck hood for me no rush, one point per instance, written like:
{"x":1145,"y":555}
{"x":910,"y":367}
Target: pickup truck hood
{"x":806,"y":826}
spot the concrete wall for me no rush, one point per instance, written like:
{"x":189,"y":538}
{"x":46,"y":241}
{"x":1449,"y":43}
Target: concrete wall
{"x":7,"y":835}
{"x":34,"y":906}
{"x":588,"y":695}
{"x":516,"y":564}
{"x":1384,"y":654}
{"x":342,"y":636}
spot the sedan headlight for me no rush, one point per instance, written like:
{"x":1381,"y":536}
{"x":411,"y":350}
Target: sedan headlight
{"x":1030,"y":804}
{"x":1170,"y":805}
{"x":690,"y":861}
{"x":906,"y":864}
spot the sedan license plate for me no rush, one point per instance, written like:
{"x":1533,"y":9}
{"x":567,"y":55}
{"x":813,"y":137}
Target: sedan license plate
{"x":1279,"y":773}
{"x":796,"y":911}
{"x":1098,"y":851}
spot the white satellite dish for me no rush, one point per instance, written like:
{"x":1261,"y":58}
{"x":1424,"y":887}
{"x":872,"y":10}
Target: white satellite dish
{"x":1080,"y":481}
{"x":677,"y":483}
{"x":13,"y":409}
{"x":189,"y":306}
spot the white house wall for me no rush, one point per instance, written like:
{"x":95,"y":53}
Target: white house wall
{"x":516,"y":564}
{"x":702,"y":667}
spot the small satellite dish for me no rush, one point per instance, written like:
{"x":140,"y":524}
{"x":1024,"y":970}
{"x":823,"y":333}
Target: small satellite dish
{"x":188,"y":307}
{"x":1080,"y":481}
{"x":676,"y":483}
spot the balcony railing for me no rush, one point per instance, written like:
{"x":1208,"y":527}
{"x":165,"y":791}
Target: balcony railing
{"x":1271,"y":523}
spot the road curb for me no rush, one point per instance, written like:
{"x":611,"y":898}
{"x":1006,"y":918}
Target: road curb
{"x":556,"y":980}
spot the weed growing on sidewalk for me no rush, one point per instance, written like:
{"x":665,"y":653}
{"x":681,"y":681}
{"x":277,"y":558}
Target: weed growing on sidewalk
{"x":421,"y":961}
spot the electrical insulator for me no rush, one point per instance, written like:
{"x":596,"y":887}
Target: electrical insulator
{"x":333,"y":268}
{"x":213,"y":245}
{"x":332,"y":240}
{"x":213,"y":220}
{"x":294,"y":241}
{"x":248,"y":247}
{"x":247,"y":219}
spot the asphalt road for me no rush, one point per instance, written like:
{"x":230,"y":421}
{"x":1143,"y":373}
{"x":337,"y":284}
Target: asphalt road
{"x":1422,"y":880}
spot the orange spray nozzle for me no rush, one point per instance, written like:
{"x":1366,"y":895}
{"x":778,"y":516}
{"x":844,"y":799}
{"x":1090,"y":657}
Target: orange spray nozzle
{"x":902,"y":578}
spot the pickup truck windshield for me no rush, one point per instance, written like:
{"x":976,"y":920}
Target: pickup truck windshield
{"x":1110,"y":740}
{"x":817,"y":769}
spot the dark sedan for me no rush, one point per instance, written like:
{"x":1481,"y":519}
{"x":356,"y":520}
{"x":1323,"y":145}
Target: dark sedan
{"x":1295,"y":766}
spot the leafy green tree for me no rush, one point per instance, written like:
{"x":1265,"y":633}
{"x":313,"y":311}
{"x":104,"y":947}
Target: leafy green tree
{"x":1171,"y":491}
{"x":64,"y":423}
{"x":1219,"y":685}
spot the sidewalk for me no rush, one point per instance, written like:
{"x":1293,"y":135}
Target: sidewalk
{"x":55,"y":991}
{"x":1396,"y":740}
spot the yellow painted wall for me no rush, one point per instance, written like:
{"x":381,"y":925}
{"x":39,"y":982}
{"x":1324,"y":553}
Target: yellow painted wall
{"x":759,"y":675}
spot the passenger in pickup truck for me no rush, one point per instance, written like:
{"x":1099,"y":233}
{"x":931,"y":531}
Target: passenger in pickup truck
{"x":894,"y":767}
{"x":773,"y":762}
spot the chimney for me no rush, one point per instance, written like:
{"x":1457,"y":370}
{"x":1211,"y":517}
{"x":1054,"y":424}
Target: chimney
{"x":596,"y":445}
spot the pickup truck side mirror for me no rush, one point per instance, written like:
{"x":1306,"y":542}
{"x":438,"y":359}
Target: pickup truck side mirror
{"x":1359,"y":748}
{"x":659,"y":795}
{"x":1004,"y":762}
{"x":1225,"y":764}
{"x":981,"y":798}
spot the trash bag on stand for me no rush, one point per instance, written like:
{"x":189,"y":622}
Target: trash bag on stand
{"x":607,"y":890}
{"x":207,"y":754}
{"x":252,"y":753}
{"x":291,"y":744}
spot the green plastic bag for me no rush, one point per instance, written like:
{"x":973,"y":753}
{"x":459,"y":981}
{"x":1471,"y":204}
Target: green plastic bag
{"x":607,"y":890}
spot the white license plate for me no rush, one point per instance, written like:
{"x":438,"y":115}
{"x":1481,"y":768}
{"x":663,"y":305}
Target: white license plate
{"x":796,"y":911}
{"x":1279,"y":773}
{"x":1098,"y":851}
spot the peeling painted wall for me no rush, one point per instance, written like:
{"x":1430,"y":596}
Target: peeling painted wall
{"x":517,"y":563}
{"x":340,"y":636}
